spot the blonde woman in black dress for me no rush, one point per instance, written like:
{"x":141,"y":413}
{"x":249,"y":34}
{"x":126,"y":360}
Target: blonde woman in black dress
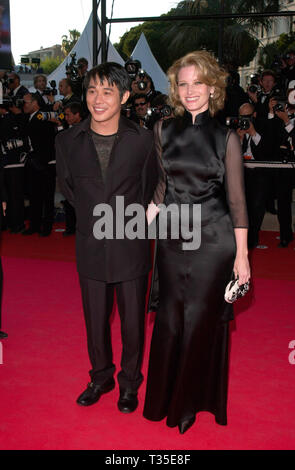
{"x":202,"y":164}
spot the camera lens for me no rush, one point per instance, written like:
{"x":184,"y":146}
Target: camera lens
{"x":142,"y":85}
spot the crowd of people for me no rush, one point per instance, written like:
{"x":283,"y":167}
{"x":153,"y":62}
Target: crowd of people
{"x":98,"y":138}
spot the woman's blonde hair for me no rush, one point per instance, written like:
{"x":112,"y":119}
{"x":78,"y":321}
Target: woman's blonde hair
{"x":209,"y":72}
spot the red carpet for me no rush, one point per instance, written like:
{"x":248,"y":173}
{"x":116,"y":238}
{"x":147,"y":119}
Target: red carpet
{"x":45,"y":363}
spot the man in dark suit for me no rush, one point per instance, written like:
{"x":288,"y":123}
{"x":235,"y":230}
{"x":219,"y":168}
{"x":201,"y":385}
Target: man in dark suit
{"x":2,"y":207}
{"x":41,"y":173}
{"x":16,"y":90}
{"x":103,"y":157}
{"x":283,"y":177}
{"x":65,"y":89}
{"x":258,"y":182}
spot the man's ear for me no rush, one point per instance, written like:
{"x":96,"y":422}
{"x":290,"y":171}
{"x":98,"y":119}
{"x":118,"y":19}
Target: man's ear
{"x":125,"y":97}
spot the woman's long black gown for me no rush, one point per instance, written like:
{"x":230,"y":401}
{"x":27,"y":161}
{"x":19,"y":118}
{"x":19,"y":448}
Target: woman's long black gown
{"x":188,"y":366}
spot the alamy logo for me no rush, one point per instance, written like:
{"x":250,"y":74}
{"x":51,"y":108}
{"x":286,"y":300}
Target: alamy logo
{"x":1,"y":353}
{"x":292,"y":353}
{"x":184,"y":222}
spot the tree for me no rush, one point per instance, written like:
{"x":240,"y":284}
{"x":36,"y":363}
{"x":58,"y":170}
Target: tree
{"x":69,"y":42}
{"x":270,"y":54}
{"x":238,"y":34}
{"x":49,"y":64}
{"x":169,"y":41}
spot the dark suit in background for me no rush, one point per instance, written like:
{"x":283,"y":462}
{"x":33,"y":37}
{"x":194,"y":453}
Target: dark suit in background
{"x":2,"y":198}
{"x":41,"y":175}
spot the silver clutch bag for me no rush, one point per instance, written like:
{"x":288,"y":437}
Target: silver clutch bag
{"x":233,"y":291}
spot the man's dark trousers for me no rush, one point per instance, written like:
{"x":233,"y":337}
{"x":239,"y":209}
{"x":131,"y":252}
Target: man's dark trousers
{"x":98,"y":299}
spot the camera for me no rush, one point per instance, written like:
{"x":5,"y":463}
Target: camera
{"x":141,"y":84}
{"x":72,"y":68}
{"x":281,"y":105}
{"x":254,"y":88}
{"x":48,"y":115}
{"x":8,"y":102}
{"x":52,"y":90}
{"x":132,"y":67}
{"x":239,"y":122}
{"x":160,"y":112}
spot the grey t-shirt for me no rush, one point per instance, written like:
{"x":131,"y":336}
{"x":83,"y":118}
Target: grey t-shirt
{"x":103,"y":145}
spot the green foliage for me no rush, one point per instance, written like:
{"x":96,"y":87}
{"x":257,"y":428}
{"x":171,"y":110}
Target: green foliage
{"x":171,"y":40}
{"x":68,"y":43}
{"x":49,"y":65}
{"x":285,"y":43}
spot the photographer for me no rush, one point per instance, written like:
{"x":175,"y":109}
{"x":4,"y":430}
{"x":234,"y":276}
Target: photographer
{"x":234,"y":98}
{"x":16,"y":90}
{"x":41,"y":173}
{"x":65,"y":89}
{"x":15,"y":145}
{"x":73,"y":115}
{"x":47,"y":94}
{"x":143,"y":83}
{"x":288,"y":67}
{"x":257,"y":181}
{"x":140,"y":107}
{"x":283,"y":177}
{"x":266,"y":90}
{"x":2,"y":212}
{"x":82,"y":71}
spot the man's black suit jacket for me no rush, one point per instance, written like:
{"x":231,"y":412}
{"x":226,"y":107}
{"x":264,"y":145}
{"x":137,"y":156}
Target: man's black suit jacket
{"x":42,"y":135}
{"x":132,"y":173}
{"x":21,"y":92}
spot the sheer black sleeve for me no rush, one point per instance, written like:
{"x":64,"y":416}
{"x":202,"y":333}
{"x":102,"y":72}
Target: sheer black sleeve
{"x":159,"y":194}
{"x":234,"y":181}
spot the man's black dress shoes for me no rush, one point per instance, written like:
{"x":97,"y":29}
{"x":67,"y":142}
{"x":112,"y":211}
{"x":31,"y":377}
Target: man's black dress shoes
{"x":93,"y":393}
{"x":3,"y":335}
{"x":128,"y":401}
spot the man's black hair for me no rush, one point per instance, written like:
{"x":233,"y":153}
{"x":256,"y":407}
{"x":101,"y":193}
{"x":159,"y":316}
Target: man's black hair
{"x":139,"y":96}
{"x":75,"y":108}
{"x":37,"y":97}
{"x":113,"y":73}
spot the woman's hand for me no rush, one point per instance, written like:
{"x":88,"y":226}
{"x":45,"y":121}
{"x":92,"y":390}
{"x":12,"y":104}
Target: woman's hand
{"x":242,"y":268}
{"x":4,"y":206}
{"x":151,"y":212}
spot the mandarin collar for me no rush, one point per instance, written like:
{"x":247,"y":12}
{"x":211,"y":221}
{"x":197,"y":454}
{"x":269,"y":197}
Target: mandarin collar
{"x":200,"y":119}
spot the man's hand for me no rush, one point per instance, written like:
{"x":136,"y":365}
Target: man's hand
{"x":251,"y":131}
{"x":241,"y":133}
{"x":253,"y":96}
{"x":51,"y":98}
{"x":57,"y":105}
{"x":283,"y":115}
{"x":15,"y":110}
{"x":272,"y":102}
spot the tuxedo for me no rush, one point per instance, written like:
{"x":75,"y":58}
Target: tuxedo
{"x":21,"y":92}
{"x":257,"y":185}
{"x":70,"y":99}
